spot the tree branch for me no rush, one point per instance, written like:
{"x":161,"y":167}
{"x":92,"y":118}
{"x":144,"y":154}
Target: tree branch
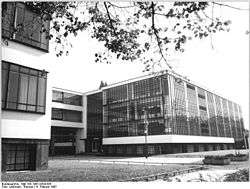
{"x":225,"y":5}
{"x":121,"y":7}
{"x":157,"y":36}
{"x":110,"y":19}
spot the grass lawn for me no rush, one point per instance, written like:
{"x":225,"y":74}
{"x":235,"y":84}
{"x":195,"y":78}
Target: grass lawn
{"x":73,"y":170}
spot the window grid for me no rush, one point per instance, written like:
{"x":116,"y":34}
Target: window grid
{"x":66,"y":98}
{"x":203,"y":112}
{"x":237,"y":122}
{"x":219,"y":116}
{"x":233,"y":126}
{"x":193,"y":111}
{"x":226,"y":118}
{"x":23,"y":88}
{"x":180,"y":108}
{"x":17,"y":14}
{"x":95,"y":115}
{"x":212,"y":116}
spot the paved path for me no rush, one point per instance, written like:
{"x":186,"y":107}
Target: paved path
{"x":200,"y":176}
{"x":181,"y":158}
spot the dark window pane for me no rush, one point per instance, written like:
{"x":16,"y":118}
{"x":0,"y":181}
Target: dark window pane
{"x":4,"y":85}
{"x":57,"y":114}
{"x":23,"y":91}
{"x":12,"y":90}
{"x":41,"y":98}
{"x":74,"y":116}
{"x":32,"y":90}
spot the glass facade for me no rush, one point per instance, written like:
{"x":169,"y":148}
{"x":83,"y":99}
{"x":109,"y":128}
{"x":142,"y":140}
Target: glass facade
{"x":172,"y":106}
{"x":23,"y":88}
{"x":66,"y":115}
{"x":193,"y":110}
{"x":212,"y":114}
{"x":66,"y":98}
{"x":30,"y":25}
{"x":237,"y":122}
{"x":232,"y":122}
{"x":124,"y":107}
{"x":219,"y":116}
{"x":179,"y":106}
{"x":226,"y":118}
{"x":94,"y":115}
{"x":203,"y":113}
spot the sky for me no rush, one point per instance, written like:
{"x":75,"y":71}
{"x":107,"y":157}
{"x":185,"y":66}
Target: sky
{"x":223,"y":69}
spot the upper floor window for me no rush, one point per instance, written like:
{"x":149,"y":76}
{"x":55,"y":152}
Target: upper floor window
{"x":21,"y":24}
{"x":23,"y":88}
{"x":67,"y":98}
{"x":66,"y":115}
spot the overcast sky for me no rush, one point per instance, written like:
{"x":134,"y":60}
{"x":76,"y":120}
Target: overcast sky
{"x":223,"y":69}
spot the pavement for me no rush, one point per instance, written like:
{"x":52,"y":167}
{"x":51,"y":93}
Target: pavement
{"x":180,"y":158}
{"x":200,"y":176}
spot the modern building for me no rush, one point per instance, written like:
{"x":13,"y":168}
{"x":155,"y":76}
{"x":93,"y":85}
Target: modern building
{"x":160,"y":113}
{"x":26,"y":90}
{"x":68,"y":122}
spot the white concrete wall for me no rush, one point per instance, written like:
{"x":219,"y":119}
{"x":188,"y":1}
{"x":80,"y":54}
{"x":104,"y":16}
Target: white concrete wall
{"x":66,"y":106}
{"x":59,"y":123}
{"x":166,"y":139}
{"x":21,"y":124}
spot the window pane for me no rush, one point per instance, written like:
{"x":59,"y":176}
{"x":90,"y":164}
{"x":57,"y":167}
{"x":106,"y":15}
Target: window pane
{"x":57,"y":96}
{"x":7,"y":20}
{"x":57,"y":114}
{"x":41,"y":95}
{"x":12,"y":90}
{"x":4,"y":85}
{"x":23,"y":91}
{"x":74,"y":116}
{"x":32,"y":93}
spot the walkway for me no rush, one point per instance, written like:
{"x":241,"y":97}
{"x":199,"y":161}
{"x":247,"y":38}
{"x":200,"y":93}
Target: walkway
{"x":181,"y":158}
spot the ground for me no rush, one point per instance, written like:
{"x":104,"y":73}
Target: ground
{"x":98,"y":168}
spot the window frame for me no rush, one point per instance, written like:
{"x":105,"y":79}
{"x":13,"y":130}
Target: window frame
{"x":5,"y":101}
{"x":15,"y":36}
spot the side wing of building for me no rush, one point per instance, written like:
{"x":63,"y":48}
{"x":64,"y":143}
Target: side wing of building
{"x":181,"y":116}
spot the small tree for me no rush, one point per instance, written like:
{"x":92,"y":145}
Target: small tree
{"x":103,"y":84}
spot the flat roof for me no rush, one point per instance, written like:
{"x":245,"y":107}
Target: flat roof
{"x":172,"y":73}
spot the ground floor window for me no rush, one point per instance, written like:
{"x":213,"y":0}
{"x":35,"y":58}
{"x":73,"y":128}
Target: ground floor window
{"x":20,"y":157}
{"x":139,"y":150}
{"x":151,"y":149}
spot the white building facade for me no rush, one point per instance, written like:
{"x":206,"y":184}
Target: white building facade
{"x":26,"y":90}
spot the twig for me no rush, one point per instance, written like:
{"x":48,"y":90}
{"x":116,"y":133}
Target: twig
{"x":225,"y":5}
{"x":110,"y":19}
{"x":121,"y":7}
{"x":157,"y":36}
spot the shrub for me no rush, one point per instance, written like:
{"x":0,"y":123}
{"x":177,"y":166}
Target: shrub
{"x":239,"y":176}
